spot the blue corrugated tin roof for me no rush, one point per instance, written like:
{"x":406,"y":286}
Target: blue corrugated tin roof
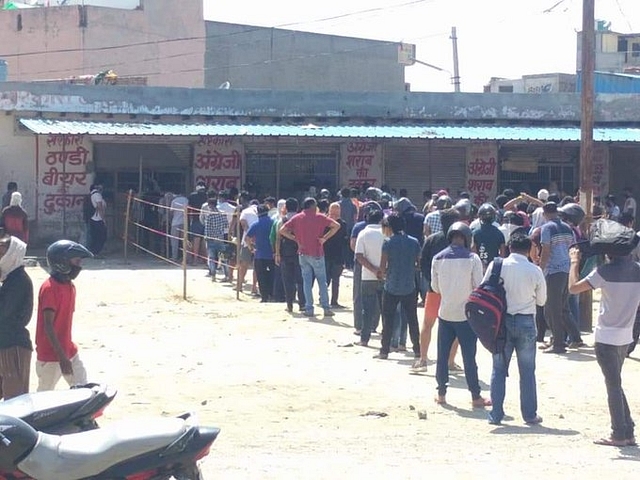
{"x":42,"y":126}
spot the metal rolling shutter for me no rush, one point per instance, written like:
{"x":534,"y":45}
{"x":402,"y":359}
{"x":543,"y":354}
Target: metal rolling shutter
{"x":424,"y":166}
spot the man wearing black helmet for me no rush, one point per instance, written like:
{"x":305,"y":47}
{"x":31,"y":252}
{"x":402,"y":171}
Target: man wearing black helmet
{"x":488,"y":240}
{"x":455,"y":272}
{"x":57,"y":355}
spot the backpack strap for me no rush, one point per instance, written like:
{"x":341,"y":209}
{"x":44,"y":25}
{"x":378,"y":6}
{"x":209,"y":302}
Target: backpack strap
{"x":495,"y":271}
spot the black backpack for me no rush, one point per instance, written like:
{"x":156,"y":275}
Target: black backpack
{"x":88,"y":210}
{"x":485,"y":310}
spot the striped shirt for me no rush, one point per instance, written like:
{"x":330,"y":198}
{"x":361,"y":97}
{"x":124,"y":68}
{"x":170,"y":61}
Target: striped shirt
{"x":559,"y":236}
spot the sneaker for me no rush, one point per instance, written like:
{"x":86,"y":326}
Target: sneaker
{"x":328,"y":312}
{"x":553,"y":349}
{"x":289,"y":308}
{"x":361,"y":344}
{"x":402,"y":348}
{"x":534,"y":421}
{"x":419,"y":366}
{"x":337,"y":305}
{"x":381,"y":356}
{"x":576,"y":345}
{"x":308,"y":313}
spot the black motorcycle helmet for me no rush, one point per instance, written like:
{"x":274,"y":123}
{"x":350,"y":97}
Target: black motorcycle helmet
{"x":462,"y":228}
{"x":573,"y":213}
{"x":443,"y":202}
{"x":372,"y":193}
{"x":487,"y":213}
{"x":17,"y":439}
{"x":59,"y":256}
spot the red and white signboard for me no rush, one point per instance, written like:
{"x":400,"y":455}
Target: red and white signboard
{"x":218,"y":162}
{"x":482,"y":172}
{"x":63,"y":180}
{"x":361,"y":162}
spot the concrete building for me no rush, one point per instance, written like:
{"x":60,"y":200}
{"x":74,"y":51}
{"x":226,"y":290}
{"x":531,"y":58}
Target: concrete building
{"x":170,"y":44}
{"x":615,"y":52}
{"x":56,"y":139}
{"x":536,"y":84}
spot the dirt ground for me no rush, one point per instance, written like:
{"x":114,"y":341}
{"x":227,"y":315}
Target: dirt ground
{"x":292,"y":400}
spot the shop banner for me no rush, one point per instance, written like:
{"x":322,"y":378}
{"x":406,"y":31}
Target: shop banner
{"x":217,"y":162}
{"x":600,"y":177}
{"x":63,"y":181}
{"x":361,"y":162}
{"x":482,"y":172}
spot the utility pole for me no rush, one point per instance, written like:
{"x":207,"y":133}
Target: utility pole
{"x":587,"y":103}
{"x":586,"y":137}
{"x":456,"y":72}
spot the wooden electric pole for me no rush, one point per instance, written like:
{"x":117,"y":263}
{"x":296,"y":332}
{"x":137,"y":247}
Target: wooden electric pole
{"x":587,"y":102}
{"x":586,"y":137}
{"x":456,"y":71}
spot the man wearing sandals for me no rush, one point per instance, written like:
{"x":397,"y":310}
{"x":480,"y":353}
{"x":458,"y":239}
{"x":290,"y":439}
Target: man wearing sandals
{"x":619,"y":280}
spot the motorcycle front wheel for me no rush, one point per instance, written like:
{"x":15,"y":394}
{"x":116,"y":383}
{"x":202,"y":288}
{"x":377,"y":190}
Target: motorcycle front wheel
{"x":189,"y":472}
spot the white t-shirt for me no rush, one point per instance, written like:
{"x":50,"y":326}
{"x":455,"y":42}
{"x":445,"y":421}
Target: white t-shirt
{"x":250,"y":215}
{"x":177,"y":210}
{"x":96,"y":198}
{"x":369,"y":244}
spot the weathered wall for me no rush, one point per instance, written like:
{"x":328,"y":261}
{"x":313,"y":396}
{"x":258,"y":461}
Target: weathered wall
{"x":46,"y":43}
{"x":375,"y":107}
{"x":18,"y":162}
{"x":270,"y":58}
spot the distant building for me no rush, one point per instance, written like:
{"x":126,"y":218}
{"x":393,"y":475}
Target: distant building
{"x":615,"y":52}
{"x":535,"y":84}
{"x":170,"y":44}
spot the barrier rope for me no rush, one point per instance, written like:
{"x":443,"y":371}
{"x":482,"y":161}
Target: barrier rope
{"x":179,"y":237}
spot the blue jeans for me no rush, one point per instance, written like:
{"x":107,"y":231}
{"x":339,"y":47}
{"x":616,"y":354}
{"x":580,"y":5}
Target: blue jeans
{"x":357,"y":299}
{"x":214,"y":248}
{"x":447,"y":333}
{"x":314,"y":267}
{"x":371,"y":295}
{"x":521,"y":337}
{"x":610,"y":358}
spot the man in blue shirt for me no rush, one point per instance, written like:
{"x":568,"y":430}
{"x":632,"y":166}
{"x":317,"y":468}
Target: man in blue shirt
{"x":556,"y":238}
{"x":258,"y":237}
{"x":399,"y":262}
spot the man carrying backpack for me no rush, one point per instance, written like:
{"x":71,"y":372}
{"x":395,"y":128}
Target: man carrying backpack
{"x":455,"y":272}
{"x":525,"y":287}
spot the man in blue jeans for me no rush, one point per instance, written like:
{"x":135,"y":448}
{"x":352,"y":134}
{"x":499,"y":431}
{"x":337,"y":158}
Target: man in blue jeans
{"x":455,"y":272}
{"x":309,"y":230}
{"x":619,"y":280}
{"x":525,"y":287}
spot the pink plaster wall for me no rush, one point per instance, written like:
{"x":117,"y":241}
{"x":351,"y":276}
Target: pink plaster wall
{"x":164,"y":41}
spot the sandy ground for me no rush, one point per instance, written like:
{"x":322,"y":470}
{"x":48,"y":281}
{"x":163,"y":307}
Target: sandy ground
{"x":291,"y":400}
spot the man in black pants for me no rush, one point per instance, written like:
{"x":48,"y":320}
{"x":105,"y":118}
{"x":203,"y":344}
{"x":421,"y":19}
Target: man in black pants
{"x":334,"y":254}
{"x":286,"y":255}
{"x":399,"y":262}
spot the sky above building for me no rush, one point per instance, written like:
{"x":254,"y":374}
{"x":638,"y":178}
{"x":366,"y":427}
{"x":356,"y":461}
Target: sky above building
{"x":496,"y":38}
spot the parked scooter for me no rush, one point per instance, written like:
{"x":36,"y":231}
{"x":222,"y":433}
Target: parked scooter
{"x":156,"y":449}
{"x":61,"y":412}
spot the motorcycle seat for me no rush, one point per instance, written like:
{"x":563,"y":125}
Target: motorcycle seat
{"x":85,"y":454}
{"x":41,"y":409}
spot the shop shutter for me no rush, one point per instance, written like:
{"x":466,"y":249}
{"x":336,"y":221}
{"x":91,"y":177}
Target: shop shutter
{"x":425,"y":166}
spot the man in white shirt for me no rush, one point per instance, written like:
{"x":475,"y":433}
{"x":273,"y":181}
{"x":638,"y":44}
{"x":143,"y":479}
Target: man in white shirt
{"x":526,"y":288}
{"x":248,"y":217}
{"x":176,"y":219}
{"x":97,"y":224}
{"x":537,"y":217}
{"x":455,"y":272}
{"x":630,"y":205}
{"x":368,"y":254}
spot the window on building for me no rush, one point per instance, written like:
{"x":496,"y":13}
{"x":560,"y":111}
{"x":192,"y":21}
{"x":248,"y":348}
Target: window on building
{"x":505,"y":88}
{"x":635,"y":50}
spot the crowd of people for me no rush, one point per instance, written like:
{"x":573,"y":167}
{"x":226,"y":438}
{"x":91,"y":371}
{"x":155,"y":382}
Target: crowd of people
{"x":406,"y":257}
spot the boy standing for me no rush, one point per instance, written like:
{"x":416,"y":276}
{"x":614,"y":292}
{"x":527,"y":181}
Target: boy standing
{"x":57,"y":355}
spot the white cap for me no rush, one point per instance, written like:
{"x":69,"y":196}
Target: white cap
{"x":543,"y":195}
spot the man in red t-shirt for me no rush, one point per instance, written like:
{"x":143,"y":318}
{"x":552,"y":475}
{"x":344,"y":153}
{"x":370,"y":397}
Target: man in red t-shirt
{"x":57,"y":355}
{"x":310,"y":230}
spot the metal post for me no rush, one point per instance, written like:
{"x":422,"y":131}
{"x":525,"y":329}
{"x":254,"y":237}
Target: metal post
{"x":127,"y":219}
{"x":185,"y":250}
{"x":456,"y":72}
{"x":587,"y":123}
{"x":236,"y":215}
